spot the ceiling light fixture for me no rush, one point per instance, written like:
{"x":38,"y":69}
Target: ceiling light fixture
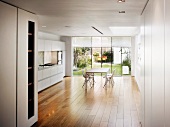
{"x":121,"y":1}
{"x":67,"y":26}
{"x":44,"y":26}
{"x":97,"y":30}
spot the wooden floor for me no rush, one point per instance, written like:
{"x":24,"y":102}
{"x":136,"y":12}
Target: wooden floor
{"x":67,"y":104}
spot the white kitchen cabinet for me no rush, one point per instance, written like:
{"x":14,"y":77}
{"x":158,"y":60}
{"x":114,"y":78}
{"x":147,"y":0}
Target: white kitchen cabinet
{"x":54,"y":79}
{"x":54,"y":70}
{"x":40,"y":75}
{"x":47,"y":82}
{"x":41,"y":85}
{"x":50,"y":76}
{"x":55,"y":46}
{"x":47,"y":45}
{"x":46,"y":73}
{"x":60,"y":68}
{"x":41,"y":45}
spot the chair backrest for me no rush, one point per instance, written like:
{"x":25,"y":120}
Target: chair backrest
{"x":84,"y":73}
{"x":113,"y":73}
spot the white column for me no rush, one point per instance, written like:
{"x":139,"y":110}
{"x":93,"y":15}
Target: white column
{"x":68,"y":55}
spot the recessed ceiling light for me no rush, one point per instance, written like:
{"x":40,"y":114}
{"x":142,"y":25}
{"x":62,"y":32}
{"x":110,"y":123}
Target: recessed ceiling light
{"x":44,"y":26}
{"x":121,"y":11}
{"x":121,"y":1}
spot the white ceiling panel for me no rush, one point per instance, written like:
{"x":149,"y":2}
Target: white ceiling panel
{"x":76,"y":17}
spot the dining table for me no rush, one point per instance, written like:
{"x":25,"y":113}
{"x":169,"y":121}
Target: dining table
{"x":97,"y":70}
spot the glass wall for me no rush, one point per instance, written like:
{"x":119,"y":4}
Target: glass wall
{"x":82,"y":57}
{"x":102,"y":52}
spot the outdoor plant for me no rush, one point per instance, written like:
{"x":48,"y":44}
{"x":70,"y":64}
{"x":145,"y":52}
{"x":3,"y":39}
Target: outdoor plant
{"x":80,"y":57}
{"x":109,"y":55}
{"x":96,"y":55}
{"x":127,"y":62}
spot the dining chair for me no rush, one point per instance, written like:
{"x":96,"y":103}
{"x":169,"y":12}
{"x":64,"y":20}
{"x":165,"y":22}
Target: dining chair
{"x":87,"y":78}
{"x":109,"y":78}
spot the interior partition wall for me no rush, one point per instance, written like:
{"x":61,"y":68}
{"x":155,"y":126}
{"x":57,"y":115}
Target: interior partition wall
{"x":18,"y":80}
{"x":101,"y":52}
{"x":8,"y":16}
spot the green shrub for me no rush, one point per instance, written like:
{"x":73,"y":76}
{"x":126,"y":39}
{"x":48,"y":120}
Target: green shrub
{"x":127,"y":62}
{"x":109,"y":55}
{"x":82,"y":63}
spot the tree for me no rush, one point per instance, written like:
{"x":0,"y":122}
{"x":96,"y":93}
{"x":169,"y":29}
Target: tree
{"x":80,"y":56}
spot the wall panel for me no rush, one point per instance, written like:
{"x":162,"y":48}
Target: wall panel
{"x":8,"y":28}
{"x":22,"y":96}
{"x":148,"y":57}
{"x":167,"y":63}
{"x":158,"y":63}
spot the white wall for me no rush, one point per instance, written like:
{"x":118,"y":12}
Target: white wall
{"x":22,"y":78}
{"x":8,"y":21}
{"x":13,"y":67}
{"x":148,"y":67}
{"x":167,"y":63}
{"x":139,"y":59}
{"x":69,"y":55}
{"x":133,"y":40}
{"x":156,"y":64}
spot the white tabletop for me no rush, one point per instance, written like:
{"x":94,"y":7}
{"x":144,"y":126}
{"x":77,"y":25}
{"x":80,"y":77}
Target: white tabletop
{"x":98,"y":70}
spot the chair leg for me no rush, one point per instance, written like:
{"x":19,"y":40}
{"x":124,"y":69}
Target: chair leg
{"x":106,"y":81}
{"x":85,"y":82}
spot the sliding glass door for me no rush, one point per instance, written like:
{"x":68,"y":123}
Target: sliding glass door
{"x":102,"y":52}
{"x":126,"y":61}
{"x":117,"y":61}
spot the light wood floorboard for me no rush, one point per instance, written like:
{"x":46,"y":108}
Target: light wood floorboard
{"x":67,"y":104}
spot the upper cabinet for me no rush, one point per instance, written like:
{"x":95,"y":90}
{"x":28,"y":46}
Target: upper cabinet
{"x":41,"y":45}
{"x":50,"y":45}
{"x":47,"y":45}
{"x":58,"y":46}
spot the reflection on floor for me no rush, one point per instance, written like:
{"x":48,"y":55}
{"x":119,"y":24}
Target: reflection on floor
{"x":67,"y":104}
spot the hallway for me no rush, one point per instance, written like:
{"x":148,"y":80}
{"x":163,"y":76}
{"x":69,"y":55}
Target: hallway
{"x":67,"y":104}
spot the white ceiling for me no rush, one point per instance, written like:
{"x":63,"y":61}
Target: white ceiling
{"x":76,"y":17}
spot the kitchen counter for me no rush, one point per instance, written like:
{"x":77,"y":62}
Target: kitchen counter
{"x":42,"y":67}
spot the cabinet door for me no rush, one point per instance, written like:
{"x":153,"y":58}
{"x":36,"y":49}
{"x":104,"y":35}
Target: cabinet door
{"x":60,"y":68}
{"x":40,"y":75}
{"x":47,"y":45}
{"x":56,"y":78}
{"x":54,"y":46}
{"x":41,"y":85}
{"x":54,"y":70}
{"x":41,"y":45}
{"x":47,"y":83}
{"x":46,"y":73}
